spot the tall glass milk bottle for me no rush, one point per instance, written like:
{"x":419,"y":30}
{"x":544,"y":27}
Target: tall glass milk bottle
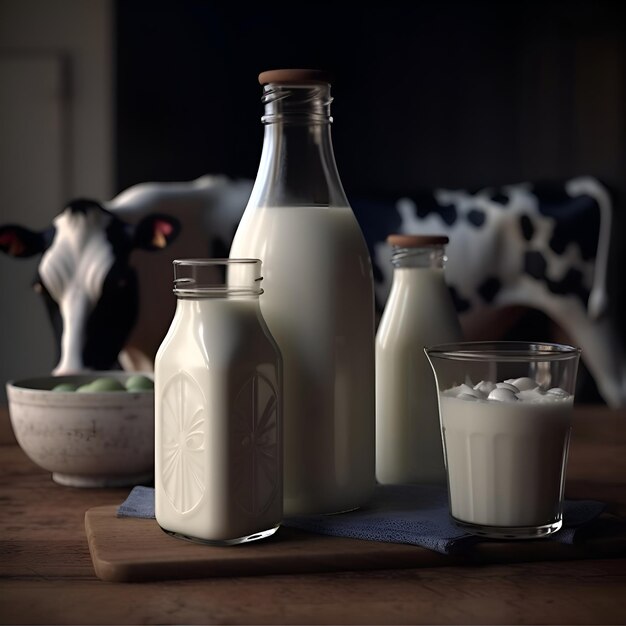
{"x":218,"y":454}
{"x":419,"y":312}
{"x":318,"y":302}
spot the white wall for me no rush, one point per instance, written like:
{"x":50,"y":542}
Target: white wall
{"x":56,"y":143}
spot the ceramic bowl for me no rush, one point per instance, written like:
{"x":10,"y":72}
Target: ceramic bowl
{"x":94,"y":439}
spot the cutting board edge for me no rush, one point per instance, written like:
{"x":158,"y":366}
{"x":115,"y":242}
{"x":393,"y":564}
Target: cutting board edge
{"x":127,"y":570}
{"x":374,"y":556}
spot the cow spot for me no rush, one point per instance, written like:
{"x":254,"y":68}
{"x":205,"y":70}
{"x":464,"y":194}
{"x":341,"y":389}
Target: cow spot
{"x":460,"y":303}
{"x":577,"y":219}
{"x":83,"y":205}
{"x":428,"y":204}
{"x":583,"y":228}
{"x":489,"y":288}
{"x":500,"y":198}
{"x":571,"y":283}
{"x":535,"y":265}
{"x":528,"y":230}
{"x":476,"y":217}
{"x":448,"y":214}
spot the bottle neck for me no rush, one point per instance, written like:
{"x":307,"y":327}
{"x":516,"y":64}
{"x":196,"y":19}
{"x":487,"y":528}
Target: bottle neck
{"x":297,"y":163}
{"x":426,"y":257}
{"x":203,"y":309}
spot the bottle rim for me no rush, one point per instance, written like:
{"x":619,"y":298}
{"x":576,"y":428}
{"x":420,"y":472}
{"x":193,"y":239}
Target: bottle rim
{"x":210,"y":278}
{"x":207,"y":262}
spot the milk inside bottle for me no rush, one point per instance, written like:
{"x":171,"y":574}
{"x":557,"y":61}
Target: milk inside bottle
{"x":218,"y":454}
{"x":318,"y":301}
{"x":419,"y":312}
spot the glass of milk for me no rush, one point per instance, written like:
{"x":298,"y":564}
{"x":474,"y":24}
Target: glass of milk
{"x":505,"y":411}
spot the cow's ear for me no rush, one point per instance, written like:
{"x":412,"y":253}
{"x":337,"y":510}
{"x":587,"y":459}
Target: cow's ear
{"x":21,"y":242}
{"x":156,"y":231}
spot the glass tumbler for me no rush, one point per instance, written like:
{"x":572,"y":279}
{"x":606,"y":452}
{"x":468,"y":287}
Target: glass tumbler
{"x":505,"y":412}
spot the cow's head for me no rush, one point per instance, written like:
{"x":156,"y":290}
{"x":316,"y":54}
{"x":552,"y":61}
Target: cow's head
{"x":84,"y":276}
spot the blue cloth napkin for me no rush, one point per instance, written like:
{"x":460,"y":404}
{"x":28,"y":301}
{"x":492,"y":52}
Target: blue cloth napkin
{"x":413,"y":514}
{"x":140,"y":503}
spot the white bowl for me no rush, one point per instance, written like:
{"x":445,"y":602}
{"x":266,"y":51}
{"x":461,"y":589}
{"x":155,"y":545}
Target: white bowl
{"x":94,"y":439}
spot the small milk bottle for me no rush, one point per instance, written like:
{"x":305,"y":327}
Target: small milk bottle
{"x":218,"y":443}
{"x":319,"y":297}
{"x":419,"y":312}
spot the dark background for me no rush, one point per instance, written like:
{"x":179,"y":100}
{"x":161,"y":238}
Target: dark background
{"x":439,"y":93}
{"x":452,"y":94}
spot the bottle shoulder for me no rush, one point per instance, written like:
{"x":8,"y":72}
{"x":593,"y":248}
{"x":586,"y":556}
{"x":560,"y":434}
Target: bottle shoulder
{"x":304,"y":215}
{"x":211,"y":334}
{"x":419,"y":310}
{"x":324,"y":235}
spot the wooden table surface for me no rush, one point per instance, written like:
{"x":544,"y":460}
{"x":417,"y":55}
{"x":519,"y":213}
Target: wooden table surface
{"x":46,"y":575}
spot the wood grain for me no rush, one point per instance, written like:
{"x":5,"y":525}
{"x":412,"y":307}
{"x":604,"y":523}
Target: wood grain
{"x":131,"y":550}
{"x":46,"y":574}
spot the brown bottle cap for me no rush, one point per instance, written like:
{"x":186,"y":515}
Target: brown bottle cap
{"x":293,"y":76}
{"x":417,"y":241}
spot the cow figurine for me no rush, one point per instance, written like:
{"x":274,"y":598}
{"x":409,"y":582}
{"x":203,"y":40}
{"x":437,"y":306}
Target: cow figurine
{"x":521,"y":245}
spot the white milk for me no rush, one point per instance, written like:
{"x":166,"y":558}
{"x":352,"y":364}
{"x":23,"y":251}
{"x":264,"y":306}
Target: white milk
{"x":218,"y":450}
{"x":419,"y":312}
{"x":319,"y":306}
{"x":506,"y":459}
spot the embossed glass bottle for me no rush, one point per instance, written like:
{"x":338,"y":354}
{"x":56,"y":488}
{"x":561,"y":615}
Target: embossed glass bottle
{"x":218,"y":441}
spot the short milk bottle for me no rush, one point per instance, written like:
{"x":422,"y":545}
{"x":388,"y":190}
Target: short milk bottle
{"x":218,"y":442}
{"x":319,"y":297}
{"x":419,"y":312}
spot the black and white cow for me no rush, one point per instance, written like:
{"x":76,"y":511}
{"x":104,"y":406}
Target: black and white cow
{"x":89,"y":288}
{"x":540,"y":246}
{"x":96,"y":279}
{"x":521,"y":245}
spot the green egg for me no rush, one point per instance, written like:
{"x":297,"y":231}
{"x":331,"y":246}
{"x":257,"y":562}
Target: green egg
{"x":106,"y":384}
{"x":137,"y":382}
{"x":64,"y":387}
{"x":101,"y":385}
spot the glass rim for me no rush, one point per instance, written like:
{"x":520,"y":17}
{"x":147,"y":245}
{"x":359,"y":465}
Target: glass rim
{"x":503,"y":351}
{"x":201,"y":261}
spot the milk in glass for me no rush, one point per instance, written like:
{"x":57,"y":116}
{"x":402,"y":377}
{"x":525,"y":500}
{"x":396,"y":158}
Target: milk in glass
{"x":506,"y":415}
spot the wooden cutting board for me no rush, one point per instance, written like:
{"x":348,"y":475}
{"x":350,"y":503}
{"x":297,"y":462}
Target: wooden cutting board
{"x":132,"y":549}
